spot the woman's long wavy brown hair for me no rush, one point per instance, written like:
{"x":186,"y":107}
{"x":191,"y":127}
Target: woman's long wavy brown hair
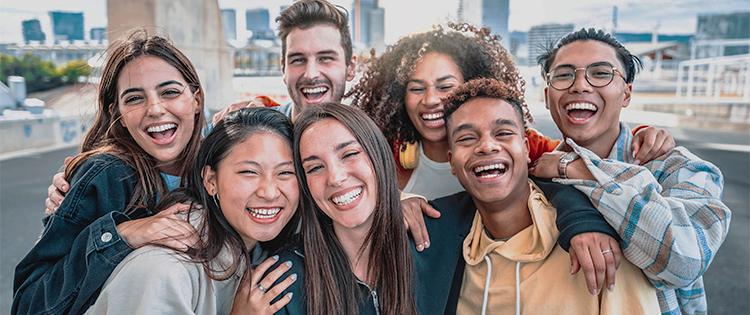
{"x":108,"y":136}
{"x":330,"y":282}
{"x":382,"y":89}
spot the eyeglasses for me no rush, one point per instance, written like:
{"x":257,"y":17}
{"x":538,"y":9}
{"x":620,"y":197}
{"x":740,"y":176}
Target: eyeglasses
{"x":596,"y":74}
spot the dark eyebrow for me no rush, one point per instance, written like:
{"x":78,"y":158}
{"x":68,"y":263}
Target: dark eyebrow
{"x":338,"y":147}
{"x":462,"y":127}
{"x":130,"y":90}
{"x":344,"y":145}
{"x":310,"y":158}
{"x":165,"y":83}
{"x":294,"y":54}
{"x":253,"y":163}
{"x":504,"y":121}
{"x":285,"y":163}
{"x":598,"y":63}
{"x":327,"y":52}
{"x":443,"y":78}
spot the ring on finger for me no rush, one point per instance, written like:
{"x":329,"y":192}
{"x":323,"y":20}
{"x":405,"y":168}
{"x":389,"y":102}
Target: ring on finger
{"x":607,"y":251}
{"x":262,"y":288}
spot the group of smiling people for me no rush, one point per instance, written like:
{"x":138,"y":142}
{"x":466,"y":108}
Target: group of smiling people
{"x":316,"y":207}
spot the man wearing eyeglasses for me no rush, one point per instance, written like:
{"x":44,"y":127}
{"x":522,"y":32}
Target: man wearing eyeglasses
{"x":668,"y":211}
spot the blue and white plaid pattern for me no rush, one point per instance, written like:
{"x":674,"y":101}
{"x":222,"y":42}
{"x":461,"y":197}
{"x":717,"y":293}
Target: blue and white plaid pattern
{"x":668,"y":213}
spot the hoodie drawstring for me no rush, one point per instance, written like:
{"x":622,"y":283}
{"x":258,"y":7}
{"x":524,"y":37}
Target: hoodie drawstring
{"x":518,"y":288}
{"x":485,"y":296}
{"x":486,"y":284}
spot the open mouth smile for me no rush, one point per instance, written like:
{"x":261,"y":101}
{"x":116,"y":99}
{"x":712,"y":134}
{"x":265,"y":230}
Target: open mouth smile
{"x":490,"y":171}
{"x":433,"y":120}
{"x":347,"y":198}
{"x":264,"y":215}
{"x":580,"y":112}
{"x":314,"y":94}
{"x":162,"y":133}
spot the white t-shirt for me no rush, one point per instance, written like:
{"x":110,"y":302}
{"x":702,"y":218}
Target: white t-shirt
{"x":432,"y":179}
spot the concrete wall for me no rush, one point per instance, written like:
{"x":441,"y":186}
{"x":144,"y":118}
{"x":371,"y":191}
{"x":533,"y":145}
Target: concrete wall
{"x":41,"y":131}
{"x":194,"y":26}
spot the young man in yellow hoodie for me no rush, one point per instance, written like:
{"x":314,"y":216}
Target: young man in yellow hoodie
{"x":513,"y":262}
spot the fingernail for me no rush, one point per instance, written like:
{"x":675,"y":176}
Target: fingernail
{"x":275,"y":257}
{"x":290,"y":294}
{"x":420,"y":247}
{"x":637,"y":162}
{"x":293,"y":276}
{"x":592,"y":291}
{"x":427,"y":244}
{"x":611,"y":287}
{"x":288,"y":264}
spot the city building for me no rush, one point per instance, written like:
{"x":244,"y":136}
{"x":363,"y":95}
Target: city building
{"x":98,"y":34}
{"x":32,"y":31}
{"x":660,"y":54}
{"x":258,"y":21}
{"x":519,"y":43}
{"x":258,"y":58}
{"x":67,"y":25}
{"x":229,"y":23}
{"x":60,"y":53}
{"x":368,"y":24}
{"x":723,"y":27}
{"x":492,"y":14}
{"x":542,"y":36}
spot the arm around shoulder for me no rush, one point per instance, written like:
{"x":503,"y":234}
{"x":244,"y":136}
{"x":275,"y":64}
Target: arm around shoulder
{"x":669,"y":212}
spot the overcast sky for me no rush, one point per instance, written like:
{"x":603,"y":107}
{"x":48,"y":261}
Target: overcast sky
{"x":407,"y":16}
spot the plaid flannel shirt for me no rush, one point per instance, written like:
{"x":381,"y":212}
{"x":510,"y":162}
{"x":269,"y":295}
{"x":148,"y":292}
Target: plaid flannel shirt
{"x":668,"y":213}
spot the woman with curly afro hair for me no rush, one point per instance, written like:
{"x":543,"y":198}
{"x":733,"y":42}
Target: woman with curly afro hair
{"x":402,"y":92}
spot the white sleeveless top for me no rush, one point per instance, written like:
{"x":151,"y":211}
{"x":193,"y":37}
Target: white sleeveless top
{"x":432,"y":179}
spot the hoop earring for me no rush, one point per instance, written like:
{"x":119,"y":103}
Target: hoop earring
{"x":216,"y":199}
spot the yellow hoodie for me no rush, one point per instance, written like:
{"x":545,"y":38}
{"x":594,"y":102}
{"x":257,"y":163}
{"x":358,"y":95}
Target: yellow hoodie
{"x":530,"y":274}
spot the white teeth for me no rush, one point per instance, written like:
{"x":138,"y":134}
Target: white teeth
{"x":161,"y":128}
{"x":496,"y":166}
{"x":347,"y":198}
{"x":321,"y":89}
{"x":432,"y":116}
{"x":264,"y":213}
{"x":584,"y":106}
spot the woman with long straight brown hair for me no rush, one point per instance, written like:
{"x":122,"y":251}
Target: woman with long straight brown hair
{"x":144,"y":138}
{"x":355,"y":256}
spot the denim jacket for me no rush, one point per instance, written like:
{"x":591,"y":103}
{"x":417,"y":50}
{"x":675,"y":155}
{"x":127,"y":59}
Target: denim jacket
{"x":79,"y":246}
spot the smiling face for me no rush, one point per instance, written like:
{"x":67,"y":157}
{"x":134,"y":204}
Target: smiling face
{"x":489,"y":150}
{"x":316,"y":69}
{"x":158,"y":108}
{"x":258,"y":192}
{"x":434,"y":77}
{"x":582,"y":112}
{"x":340,"y":175}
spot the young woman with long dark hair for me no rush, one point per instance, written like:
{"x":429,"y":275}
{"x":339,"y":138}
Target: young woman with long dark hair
{"x":244,"y":194}
{"x":144,"y":138}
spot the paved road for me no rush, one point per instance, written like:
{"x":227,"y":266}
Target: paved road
{"x":23,"y":183}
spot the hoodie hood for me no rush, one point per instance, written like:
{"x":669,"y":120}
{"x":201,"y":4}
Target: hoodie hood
{"x":534,"y":243}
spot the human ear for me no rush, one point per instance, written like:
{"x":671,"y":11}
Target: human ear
{"x":628,"y":93}
{"x":209,"y":180}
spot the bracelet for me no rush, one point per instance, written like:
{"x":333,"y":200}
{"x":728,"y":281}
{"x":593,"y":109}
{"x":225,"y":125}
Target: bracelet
{"x":562,"y":168}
